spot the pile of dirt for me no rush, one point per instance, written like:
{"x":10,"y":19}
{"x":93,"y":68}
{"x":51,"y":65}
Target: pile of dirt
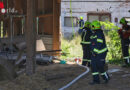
{"x":55,"y":76}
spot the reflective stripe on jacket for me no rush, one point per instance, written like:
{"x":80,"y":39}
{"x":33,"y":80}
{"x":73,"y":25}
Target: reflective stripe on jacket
{"x":98,"y":43}
{"x":85,"y":36}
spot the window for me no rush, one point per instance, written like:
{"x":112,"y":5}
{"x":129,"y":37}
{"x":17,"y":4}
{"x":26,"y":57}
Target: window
{"x":68,"y":22}
{"x":93,"y":17}
{"x":99,"y":16}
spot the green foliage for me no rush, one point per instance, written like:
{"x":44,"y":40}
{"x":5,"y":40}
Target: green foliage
{"x":113,"y":41}
{"x":108,"y":25}
{"x":114,"y":46}
{"x":117,"y":62}
{"x":71,"y":48}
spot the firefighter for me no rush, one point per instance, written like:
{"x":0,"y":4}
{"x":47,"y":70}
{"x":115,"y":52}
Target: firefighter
{"x":125,"y":41}
{"x":85,"y":37}
{"x":99,"y":51}
{"x":81,"y":24}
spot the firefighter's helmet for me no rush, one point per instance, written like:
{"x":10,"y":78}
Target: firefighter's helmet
{"x":87,"y":24}
{"x":81,"y":17}
{"x":95,"y":25}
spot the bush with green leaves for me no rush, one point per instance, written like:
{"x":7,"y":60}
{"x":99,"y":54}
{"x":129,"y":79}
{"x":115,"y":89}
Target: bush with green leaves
{"x":113,"y":41}
{"x":71,"y":48}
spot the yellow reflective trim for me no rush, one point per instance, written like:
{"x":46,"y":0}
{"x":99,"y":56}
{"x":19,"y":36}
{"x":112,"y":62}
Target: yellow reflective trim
{"x":93,"y":37}
{"x":95,"y":73}
{"x":86,"y":60}
{"x":100,"y":40}
{"x":81,"y":27}
{"x":126,"y":57}
{"x":100,"y":51}
{"x":103,"y":73}
{"x":95,"y":50}
{"x":85,"y":42}
{"x":89,"y":60}
{"x":103,"y":50}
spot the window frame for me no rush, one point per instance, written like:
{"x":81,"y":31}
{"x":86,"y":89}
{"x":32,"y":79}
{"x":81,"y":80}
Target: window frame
{"x":71,"y":21}
{"x":99,"y":14}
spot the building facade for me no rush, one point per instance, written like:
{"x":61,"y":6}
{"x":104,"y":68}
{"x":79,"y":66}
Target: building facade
{"x":111,"y":10}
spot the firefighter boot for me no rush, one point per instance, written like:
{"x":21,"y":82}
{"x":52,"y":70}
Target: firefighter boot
{"x":127,"y":62}
{"x":105,"y":77}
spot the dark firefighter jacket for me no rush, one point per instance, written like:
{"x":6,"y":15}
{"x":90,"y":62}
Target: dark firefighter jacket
{"x":98,"y":43}
{"x":85,"y":35}
{"x":124,"y":33}
{"x":81,"y":24}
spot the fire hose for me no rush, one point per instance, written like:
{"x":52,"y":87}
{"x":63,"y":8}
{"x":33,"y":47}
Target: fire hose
{"x":77,"y":78}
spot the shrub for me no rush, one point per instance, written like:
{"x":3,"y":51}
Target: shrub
{"x":113,"y":41}
{"x":71,"y":48}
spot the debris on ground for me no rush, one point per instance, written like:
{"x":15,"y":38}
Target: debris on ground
{"x":55,"y":76}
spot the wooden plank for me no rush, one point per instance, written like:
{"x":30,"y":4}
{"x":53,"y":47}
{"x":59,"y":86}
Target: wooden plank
{"x":48,"y":47}
{"x":40,"y":6}
{"x":56,"y":25}
{"x":31,"y":37}
{"x":58,"y":1}
{"x":48,"y":28}
{"x":45,"y":25}
{"x":10,"y":3}
{"x":47,"y":40}
{"x":16,"y":39}
{"x":40,"y":45}
{"x":24,"y":6}
{"x":48,"y":6}
{"x":45,"y":15}
{"x":18,"y":6}
{"x":17,"y":26}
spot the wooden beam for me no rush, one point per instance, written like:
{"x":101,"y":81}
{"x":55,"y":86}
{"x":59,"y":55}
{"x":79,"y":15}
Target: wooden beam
{"x":45,"y":15}
{"x":58,"y":1}
{"x":56,"y":25}
{"x":18,"y":6}
{"x":31,"y":37}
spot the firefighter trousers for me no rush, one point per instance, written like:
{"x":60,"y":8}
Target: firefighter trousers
{"x":125,"y":50}
{"x":97,"y":66}
{"x":86,"y":54}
